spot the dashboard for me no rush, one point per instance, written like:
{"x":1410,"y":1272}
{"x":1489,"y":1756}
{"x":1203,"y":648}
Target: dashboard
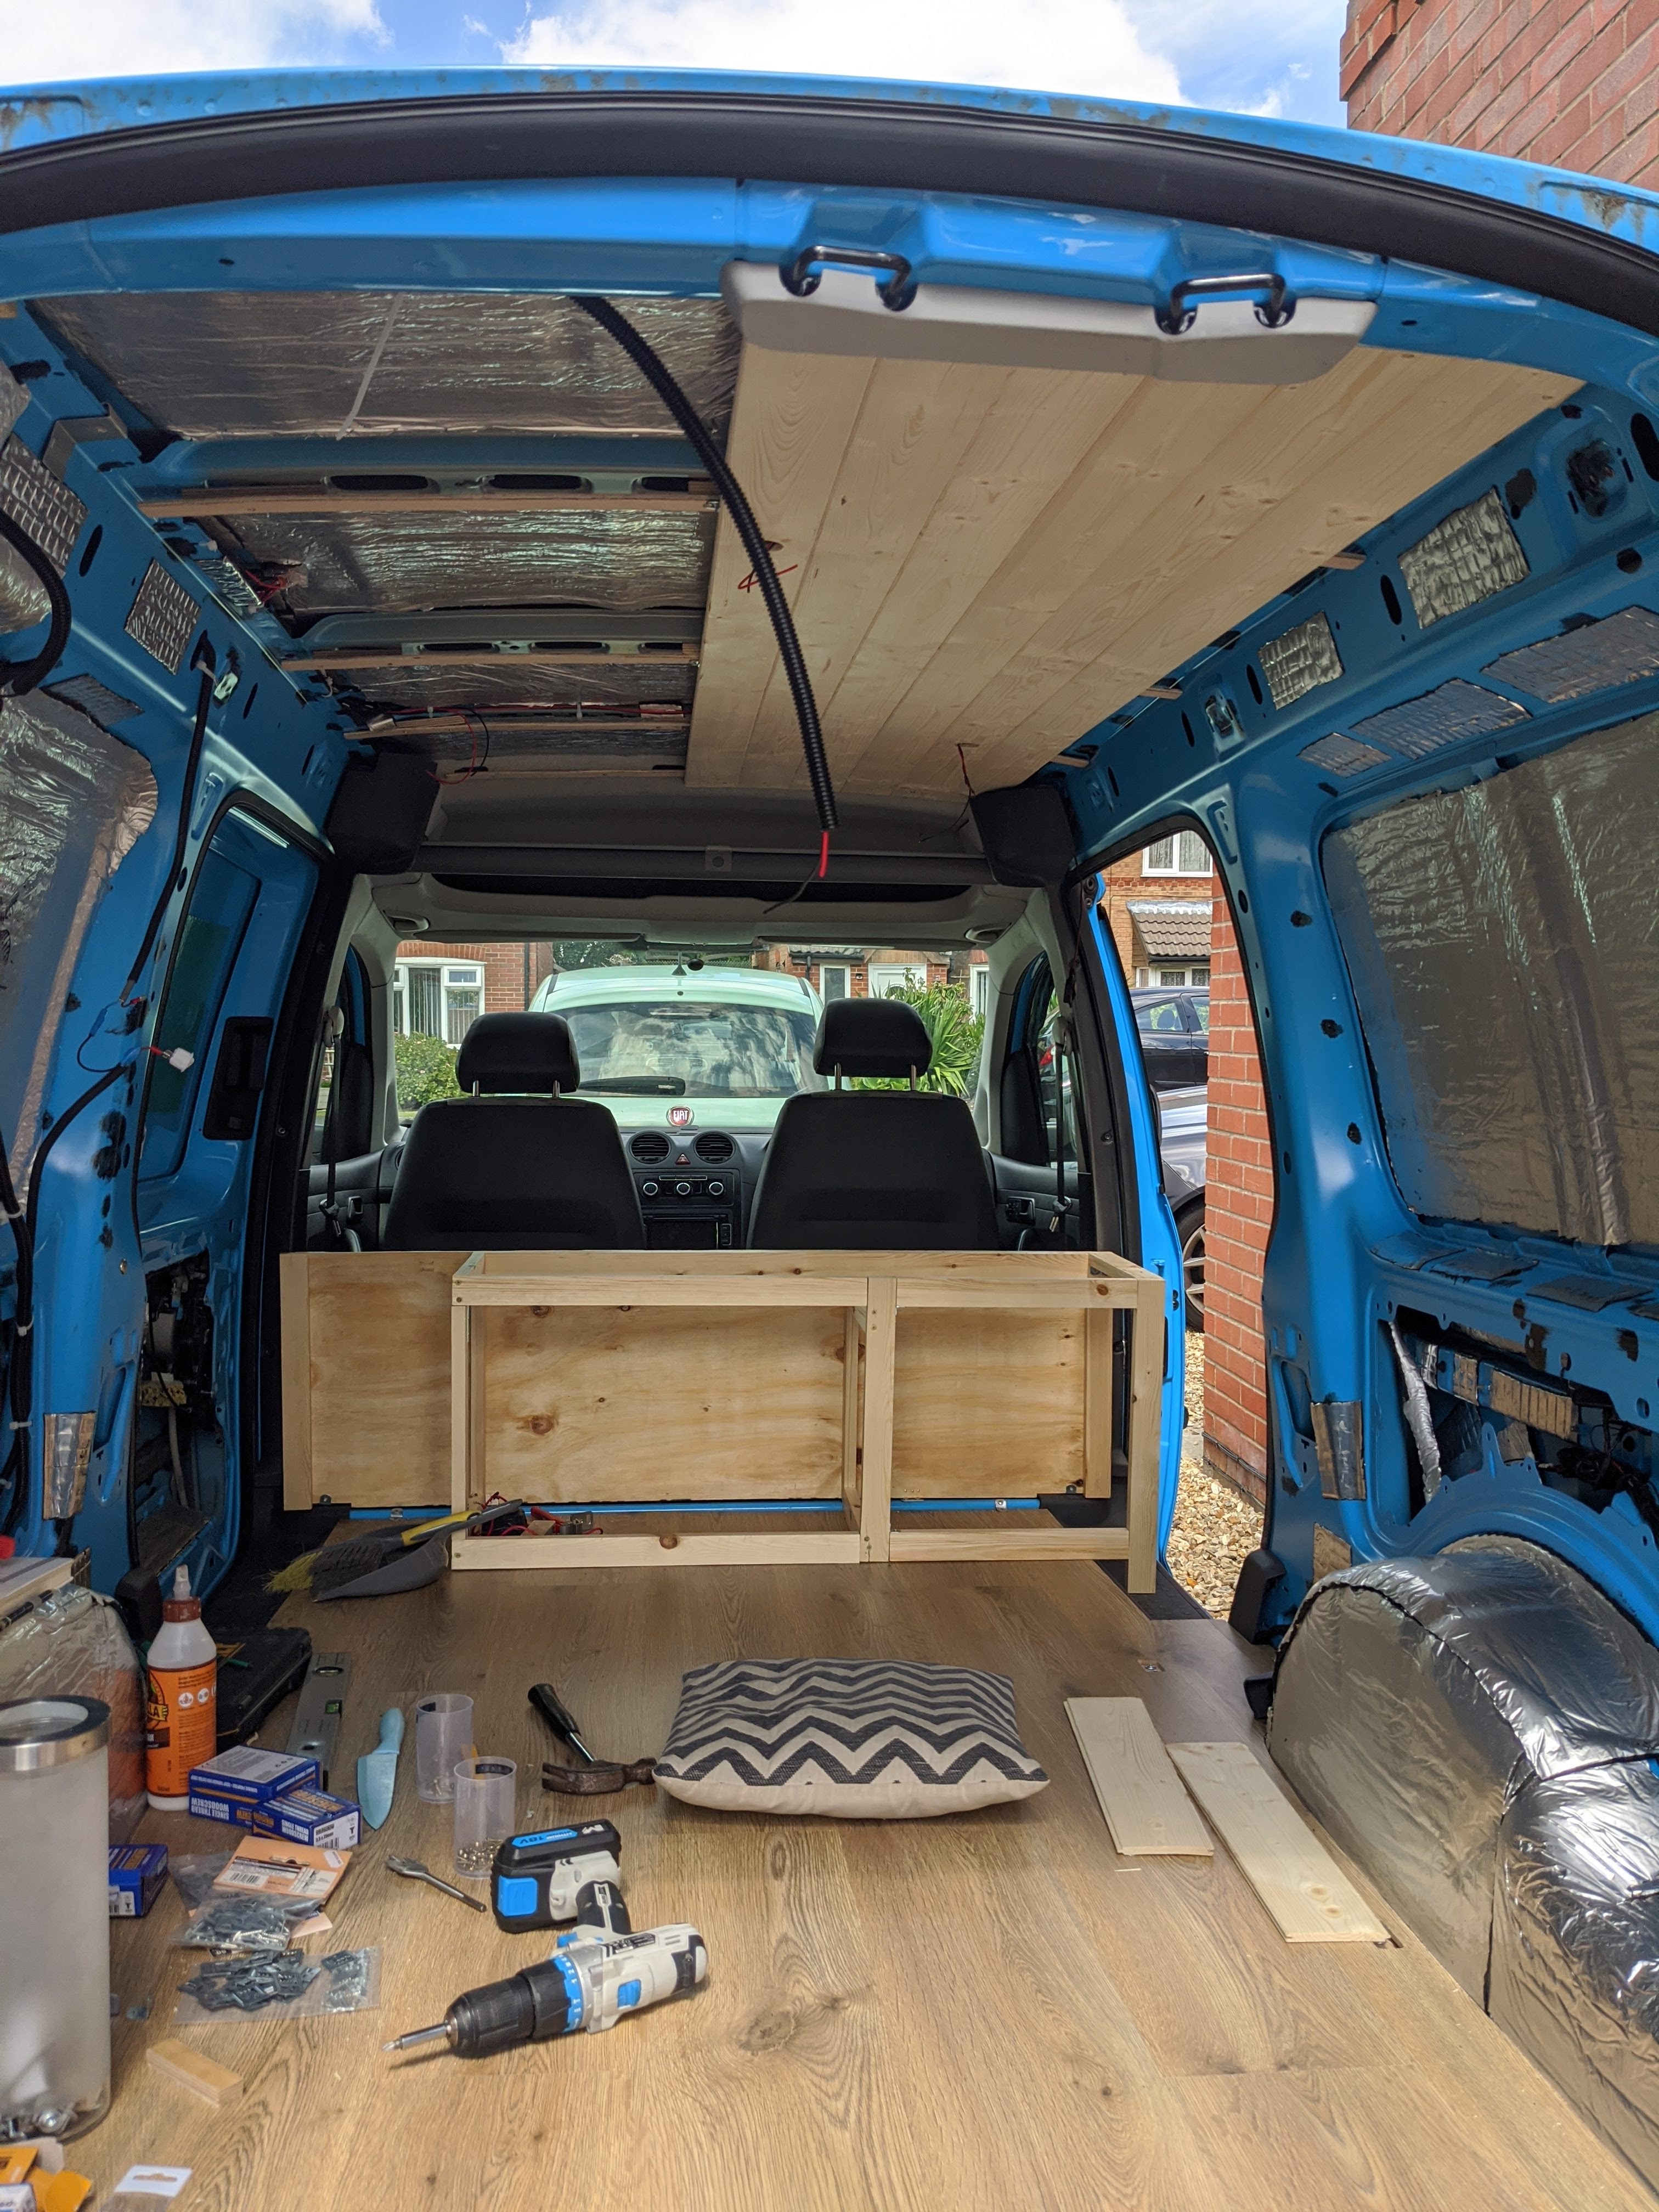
{"x":695,"y":1191}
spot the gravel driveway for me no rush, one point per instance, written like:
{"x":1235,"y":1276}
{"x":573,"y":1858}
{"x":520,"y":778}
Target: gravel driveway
{"x":1216,"y":1526}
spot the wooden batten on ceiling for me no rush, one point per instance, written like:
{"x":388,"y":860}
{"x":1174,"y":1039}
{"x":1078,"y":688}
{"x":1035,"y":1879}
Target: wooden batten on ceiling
{"x":998,"y":558}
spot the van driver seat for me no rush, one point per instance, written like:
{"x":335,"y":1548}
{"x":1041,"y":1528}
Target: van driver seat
{"x":514,"y":1167}
{"x":883,"y":1170}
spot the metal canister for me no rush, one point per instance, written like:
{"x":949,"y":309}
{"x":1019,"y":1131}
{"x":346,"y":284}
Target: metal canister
{"x":54,"y":1916}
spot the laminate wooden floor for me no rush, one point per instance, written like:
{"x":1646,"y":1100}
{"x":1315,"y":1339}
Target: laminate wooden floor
{"x":932,"y":2016}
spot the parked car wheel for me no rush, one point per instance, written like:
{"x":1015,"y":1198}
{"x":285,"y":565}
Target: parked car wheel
{"x":1190,"y":1228}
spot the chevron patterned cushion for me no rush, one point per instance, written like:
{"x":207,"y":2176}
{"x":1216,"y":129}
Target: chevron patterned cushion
{"x":852,"y":1738}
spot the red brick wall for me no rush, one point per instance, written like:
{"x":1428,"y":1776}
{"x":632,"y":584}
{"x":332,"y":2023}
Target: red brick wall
{"x":809,"y":963}
{"x":1238,"y":1214}
{"x":503,"y":965}
{"x":1572,"y":82}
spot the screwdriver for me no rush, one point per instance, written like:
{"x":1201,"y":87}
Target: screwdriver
{"x":545,"y":1699}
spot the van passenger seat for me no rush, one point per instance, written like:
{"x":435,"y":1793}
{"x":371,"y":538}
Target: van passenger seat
{"x":880,"y":1170}
{"x":514,"y":1167}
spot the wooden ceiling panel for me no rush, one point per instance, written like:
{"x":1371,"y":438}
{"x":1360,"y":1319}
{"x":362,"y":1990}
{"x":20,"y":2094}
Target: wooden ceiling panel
{"x":996,"y":558}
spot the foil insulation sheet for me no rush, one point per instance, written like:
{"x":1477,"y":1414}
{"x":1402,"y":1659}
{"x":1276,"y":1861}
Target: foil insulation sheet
{"x":1298,"y":660}
{"x":162,"y":617}
{"x":1591,"y":656}
{"x":1575,"y":1955}
{"x":1503,"y":959}
{"x":1343,"y":756}
{"x":39,"y":503}
{"x":1442,"y":717}
{"x":1467,"y":557}
{"x":94,"y":700}
{"x":409,"y":563}
{"x":14,"y":398}
{"x":23,"y":600}
{"x":491,"y":743}
{"x":362,"y":364}
{"x":1475,"y":1730}
{"x":518,"y":682}
{"x":73,"y":803}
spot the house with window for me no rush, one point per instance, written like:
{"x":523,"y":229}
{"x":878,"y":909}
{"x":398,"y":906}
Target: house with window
{"x":856,"y":971}
{"x":1158,"y":905}
{"x":441,"y":990}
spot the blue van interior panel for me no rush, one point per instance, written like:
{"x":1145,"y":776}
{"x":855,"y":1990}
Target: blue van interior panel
{"x":1484,"y":632}
{"x":1504,"y":975}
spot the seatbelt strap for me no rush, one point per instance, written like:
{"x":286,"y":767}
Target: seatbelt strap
{"x":334,"y":1037}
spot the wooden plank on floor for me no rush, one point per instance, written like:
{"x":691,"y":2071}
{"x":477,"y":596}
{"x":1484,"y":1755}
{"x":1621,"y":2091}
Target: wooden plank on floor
{"x":1146,"y":1809}
{"x":1290,"y":1870}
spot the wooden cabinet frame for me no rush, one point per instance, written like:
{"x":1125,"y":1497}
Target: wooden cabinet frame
{"x":854,"y":1382}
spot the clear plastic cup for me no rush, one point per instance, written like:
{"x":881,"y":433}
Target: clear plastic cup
{"x":443,"y":1735}
{"x":484,"y":1811}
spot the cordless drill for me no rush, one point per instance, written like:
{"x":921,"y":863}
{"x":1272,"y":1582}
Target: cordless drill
{"x":600,"y":1971}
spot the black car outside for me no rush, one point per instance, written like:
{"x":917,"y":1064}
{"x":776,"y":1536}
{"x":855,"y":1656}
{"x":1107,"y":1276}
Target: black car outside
{"x":1175,"y":1037}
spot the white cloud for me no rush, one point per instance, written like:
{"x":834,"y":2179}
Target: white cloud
{"x":1056,"y":45}
{"x":45,"y":44}
{"x":1248,"y":56}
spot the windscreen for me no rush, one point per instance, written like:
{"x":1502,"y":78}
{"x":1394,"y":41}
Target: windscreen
{"x":1503,"y":944}
{"x":683,"y":1036}
{"x":667,"y":1044}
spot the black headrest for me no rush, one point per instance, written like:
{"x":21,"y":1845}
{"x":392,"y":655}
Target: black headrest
{"x":519,"y":1052}
{"x":872,"y":1036}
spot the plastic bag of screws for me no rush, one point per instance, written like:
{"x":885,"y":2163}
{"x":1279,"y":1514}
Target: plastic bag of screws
{"x":286,"y":1985}
{"x":249,"y":1984}
{"x":243,"y":1924}
{"x":194,"y":1873}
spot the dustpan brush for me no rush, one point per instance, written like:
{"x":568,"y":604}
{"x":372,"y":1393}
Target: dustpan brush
{"x":332,"y":1565}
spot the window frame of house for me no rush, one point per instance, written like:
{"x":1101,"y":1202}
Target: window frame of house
{"x":457,"y":980}
{"x":979,"y":990}
{"x":1182,"y":845}
{"x":829,"y":968}
{"x":887,"y":975}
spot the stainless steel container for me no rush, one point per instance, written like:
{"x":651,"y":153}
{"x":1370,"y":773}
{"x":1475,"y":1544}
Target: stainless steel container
{"x":54,"y":1915}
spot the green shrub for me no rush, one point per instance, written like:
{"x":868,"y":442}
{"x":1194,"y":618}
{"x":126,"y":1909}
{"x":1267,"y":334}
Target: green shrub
{"x":957,"y":1032}
{"x":426,"y":1071}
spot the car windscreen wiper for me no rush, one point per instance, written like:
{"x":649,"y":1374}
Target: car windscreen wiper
{"x":644,"y":1086}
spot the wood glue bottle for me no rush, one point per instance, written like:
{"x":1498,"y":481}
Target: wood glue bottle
{"x":181,"y":1729}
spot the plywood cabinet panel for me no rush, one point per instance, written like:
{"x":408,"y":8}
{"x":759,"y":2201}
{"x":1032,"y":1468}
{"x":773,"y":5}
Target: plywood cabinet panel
{"x":374,"y":1346}
{"x":582,"y":1403}
{"x":987,"y":1405}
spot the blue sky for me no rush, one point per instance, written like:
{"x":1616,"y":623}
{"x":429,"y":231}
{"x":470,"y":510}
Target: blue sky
{"x":1261,"y":57}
